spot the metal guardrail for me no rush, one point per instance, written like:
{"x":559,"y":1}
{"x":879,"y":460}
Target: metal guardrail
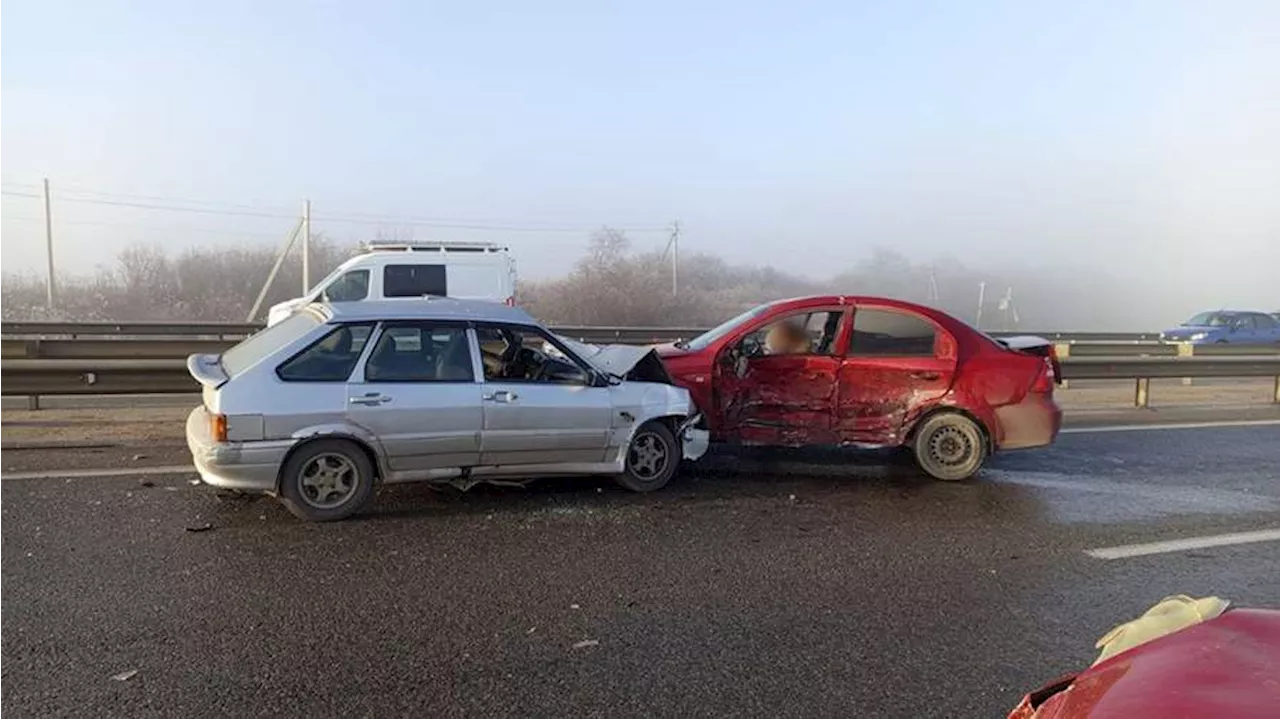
{"x":159,"y":333}
{"x":140,"y":329}
{"x":35,"y":377}
{"x":55,"y":358}
{"x":232,"y":329}
{"x":176,"y":347}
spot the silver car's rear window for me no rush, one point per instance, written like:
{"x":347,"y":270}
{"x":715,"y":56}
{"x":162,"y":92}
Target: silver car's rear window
{"x":254,"y":348}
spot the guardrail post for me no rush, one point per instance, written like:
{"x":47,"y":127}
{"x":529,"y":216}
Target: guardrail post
{"x":1062,"y":350}
{"x":1142,"y":393}
{"x":1277,"y":393}
{"x":33,"y":402}
{"x":1186,"y":349}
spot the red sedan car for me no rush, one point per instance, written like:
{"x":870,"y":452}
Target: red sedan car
{"x":869,"y":372}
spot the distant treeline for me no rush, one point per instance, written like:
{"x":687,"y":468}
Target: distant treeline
{"x":609,"y":285}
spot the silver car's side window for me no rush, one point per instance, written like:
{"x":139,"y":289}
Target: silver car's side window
{"x":514,"y":353}
{"x":420,"y":352}
{"x":330,"y":358}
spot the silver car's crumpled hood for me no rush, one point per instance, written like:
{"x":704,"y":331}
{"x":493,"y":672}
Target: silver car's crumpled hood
{"x":631,"y":362}
{"x":614,"y":359}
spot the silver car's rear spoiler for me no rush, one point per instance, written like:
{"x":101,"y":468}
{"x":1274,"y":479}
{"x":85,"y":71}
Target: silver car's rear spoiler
{"x":207,"y":370}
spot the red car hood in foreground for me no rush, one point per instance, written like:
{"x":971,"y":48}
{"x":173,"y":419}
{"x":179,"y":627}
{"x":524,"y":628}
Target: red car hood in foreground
{"x":1226,"y":666}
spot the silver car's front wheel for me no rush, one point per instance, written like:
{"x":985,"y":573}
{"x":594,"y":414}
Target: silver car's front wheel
{"x":326,"y":480}
{"x":652,"y":458}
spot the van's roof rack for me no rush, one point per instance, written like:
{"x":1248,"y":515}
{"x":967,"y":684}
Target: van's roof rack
{"x":433,"y":246}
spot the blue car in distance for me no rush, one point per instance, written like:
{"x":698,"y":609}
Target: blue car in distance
{"x":1227,"y":326}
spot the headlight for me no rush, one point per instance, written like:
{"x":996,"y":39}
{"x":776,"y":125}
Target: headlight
{"x":1198,"y":336}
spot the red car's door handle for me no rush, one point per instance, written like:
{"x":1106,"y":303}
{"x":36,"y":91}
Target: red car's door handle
{"x":926,"y":375}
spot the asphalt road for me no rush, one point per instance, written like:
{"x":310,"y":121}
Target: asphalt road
{"x":765,"y":584}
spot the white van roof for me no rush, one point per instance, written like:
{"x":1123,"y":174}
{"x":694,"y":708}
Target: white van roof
{"x":432,"y":246}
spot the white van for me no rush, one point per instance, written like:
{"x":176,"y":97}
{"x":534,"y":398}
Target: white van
{"x":465,"y":270}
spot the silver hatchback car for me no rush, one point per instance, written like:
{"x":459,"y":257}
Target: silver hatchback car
{"x":321,"y":407}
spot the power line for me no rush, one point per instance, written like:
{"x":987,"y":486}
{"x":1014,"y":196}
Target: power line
{"x":369,"y":219}
{"x":145,"y":226}
{"x":182,"y":200}
{"x":176,"y":208}
{"x":338,"y":216}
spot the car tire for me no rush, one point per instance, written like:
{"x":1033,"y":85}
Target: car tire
{"x":651,"y":460}
{"x":326,"y":480}
{"x":949,"y":446}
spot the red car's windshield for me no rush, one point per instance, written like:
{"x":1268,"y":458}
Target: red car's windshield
{"x":706,"y":338}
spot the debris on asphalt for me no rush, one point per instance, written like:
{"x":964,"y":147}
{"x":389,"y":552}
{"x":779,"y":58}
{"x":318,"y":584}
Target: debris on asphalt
{"x":200,"y":528}
{"x":574,"y":606}
{"x":125,"y":676}
{"x":586,"y":643}
{"x":193,"y":482}
{"x":531,"y":630}
{"x":137,"y":457}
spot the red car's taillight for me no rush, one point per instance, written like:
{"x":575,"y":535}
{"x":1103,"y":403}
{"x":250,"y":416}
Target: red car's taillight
{"x":1047,"y":377}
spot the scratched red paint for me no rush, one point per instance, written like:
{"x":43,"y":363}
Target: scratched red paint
{"x":844,"y":398}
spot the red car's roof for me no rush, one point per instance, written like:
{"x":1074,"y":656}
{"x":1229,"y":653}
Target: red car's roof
{"x":1228,"y":666}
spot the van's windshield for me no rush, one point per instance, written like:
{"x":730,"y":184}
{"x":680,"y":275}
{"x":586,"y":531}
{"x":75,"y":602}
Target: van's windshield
{"x":255,"y":347}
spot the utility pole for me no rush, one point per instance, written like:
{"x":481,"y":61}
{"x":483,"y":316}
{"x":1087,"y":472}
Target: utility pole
{"x":271,"y":276}
{"x":675,"y":258}
{"x":982,"y":293}
{"x":48,"y":244}
{"x":306,"y":246}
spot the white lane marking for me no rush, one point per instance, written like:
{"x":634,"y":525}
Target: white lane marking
{"x":1180,"y":545}
{"x":94,"y":473}
{"x":1156,"y":427}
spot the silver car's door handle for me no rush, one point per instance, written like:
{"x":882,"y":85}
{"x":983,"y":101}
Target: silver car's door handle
{"x":502,"y":396}
{"x":371,"y":399}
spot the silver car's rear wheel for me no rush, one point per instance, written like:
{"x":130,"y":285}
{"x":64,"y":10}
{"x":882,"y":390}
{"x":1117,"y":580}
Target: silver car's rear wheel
{"x":652,"y":458}
{"x":326,"y":480}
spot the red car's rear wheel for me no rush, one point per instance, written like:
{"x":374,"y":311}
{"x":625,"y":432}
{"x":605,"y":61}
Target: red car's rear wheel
{"x":950,"y":446}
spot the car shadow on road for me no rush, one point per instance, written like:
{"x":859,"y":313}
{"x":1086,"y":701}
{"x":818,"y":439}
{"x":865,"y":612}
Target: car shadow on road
{"x":725,"y":475}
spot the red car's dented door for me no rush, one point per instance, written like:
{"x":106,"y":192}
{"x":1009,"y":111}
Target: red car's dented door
{"x":777,"y":399}
{"x":897,"y":366}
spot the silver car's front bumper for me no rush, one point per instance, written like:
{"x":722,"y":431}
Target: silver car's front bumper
{"x":243,"y":466}
{"x":694,"y":440}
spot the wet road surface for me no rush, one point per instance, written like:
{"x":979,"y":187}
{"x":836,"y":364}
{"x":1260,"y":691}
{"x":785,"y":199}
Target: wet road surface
{"x":767,"y":583}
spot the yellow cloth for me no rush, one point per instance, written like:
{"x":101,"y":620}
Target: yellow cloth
{"x":1171,"y":614}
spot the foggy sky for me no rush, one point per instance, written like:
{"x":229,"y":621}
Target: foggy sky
{"x":1133,"y":138}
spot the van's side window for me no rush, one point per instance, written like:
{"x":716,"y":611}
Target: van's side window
{"x":414,"y":281}
{"x":350,"y":287}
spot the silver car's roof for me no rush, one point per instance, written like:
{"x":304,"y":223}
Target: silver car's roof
{"x":427,"y":308}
